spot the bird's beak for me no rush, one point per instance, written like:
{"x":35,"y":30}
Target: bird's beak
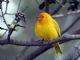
{"x":39,"y":18}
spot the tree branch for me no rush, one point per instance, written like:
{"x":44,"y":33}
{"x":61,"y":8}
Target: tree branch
{"x":62,"y":39}
{"x":42,"y":49}
{"x":71,"y":25}
{"x":68,"y":13}
{"x":59,"y":7}
{"x":46,"y":6}
{"x":44,"y":46}
{"x":7,"y":2}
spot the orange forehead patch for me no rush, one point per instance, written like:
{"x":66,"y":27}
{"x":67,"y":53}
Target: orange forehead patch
{"x":43,"y":14}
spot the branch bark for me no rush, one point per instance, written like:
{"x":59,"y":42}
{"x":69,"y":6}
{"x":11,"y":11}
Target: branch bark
{"x":62,"y":39}
{"x":42,"y":49}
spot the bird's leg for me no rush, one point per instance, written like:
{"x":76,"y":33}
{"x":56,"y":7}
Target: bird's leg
{"x":41,"y":41}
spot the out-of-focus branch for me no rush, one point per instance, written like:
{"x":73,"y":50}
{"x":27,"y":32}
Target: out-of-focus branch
{"x":74,"y":53}
{"x":68,"y":13}
{"x":22,"y":53}
{"x":71,"y":25}
{"x":78,"y":51}
{"x":59,"y":7}
{"x":46,"y":6}
{"x":73,"y":5}
{"x":77,"y":31}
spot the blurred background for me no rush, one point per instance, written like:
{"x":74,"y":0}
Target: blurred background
{"x":31,"y":11}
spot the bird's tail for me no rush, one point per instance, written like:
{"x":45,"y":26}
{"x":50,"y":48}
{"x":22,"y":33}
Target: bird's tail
{"x":57,"y":48}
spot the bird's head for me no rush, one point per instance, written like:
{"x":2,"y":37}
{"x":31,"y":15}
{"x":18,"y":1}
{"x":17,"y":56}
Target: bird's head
{"x":43,"y":16}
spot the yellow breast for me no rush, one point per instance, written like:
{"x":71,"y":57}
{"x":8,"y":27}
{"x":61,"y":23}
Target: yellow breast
{"x":46,"y":31}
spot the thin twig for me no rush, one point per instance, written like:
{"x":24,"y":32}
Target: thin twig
{"x":4,"y":33}
{"x":4,"y":17}
{"x":7,"y":1}
{"x":18,"y":5}
{"x":71,"y":25}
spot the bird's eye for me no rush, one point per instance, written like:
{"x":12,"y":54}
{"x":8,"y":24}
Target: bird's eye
{"x":42,"y":16}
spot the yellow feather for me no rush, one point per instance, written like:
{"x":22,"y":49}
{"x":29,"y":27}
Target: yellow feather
{"x":47,"y":28}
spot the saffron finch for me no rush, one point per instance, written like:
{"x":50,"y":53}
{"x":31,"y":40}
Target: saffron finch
{"x":48,"y":29}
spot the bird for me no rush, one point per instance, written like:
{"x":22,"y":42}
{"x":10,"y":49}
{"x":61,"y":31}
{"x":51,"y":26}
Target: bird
{"x":47,"y":29}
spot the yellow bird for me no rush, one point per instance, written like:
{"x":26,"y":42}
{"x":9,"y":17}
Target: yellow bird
{"x":48,"y":29}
